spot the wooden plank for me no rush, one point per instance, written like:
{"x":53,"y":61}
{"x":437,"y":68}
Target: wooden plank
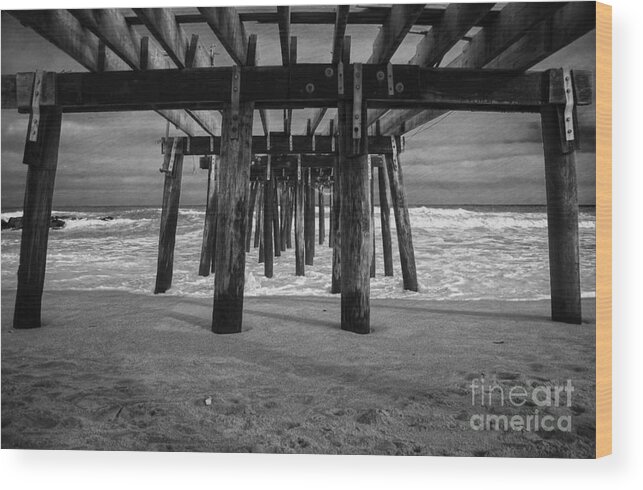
{"x":562,"y":219}
{"x":226,"y":25}
{"x":230,"y":260}
{"x":402,"y":222}
{"x":398,"y":23}
{"x":497,"y":47}
{"x":169,"y":220}
{"x":209,"y":226}
{"x":385,"y":219}
{"x":39,"y":191}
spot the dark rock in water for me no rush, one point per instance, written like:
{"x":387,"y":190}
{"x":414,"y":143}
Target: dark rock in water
{"x":106,"y":218}
{"x":16,"y":223}
{"x":56,"y":223}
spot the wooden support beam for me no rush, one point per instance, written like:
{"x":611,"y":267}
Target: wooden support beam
{"x":562,"y":218}
{"x":292,"y":59}
{"x":520,"y":36}
{"x":172,"y":37}
{"x":169,"y":219}
{"x":299,"y":225}
{"x":402,"y":222}
{"x":385,"y":219}
{"x":251,"y":208}
{"x":226,"y":25}
{"x":400,"y":20}
{"x":283,"y":215}
{"x":369,"y":16}
{"x":341,"y":19}
{"x":209,"y":227}
{"x":331,"y":216}
{"x":309,"y":218}
{"x":356,"y":242}
{"x":457,"y":20}
{"x":39,"y":192}
{"x":438,"y":88}
{"x":64,"y":31}
{"x":284,"y":33}
{"x":268,"y":218}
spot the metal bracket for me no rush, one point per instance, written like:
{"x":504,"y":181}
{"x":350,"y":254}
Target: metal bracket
{"x":332,"y":143}
{"x":234,"y":102}
{"x":313,"y":138}
{"x":212,"y":144}
{"x":389,"y":79}
{"x":168,"y":164}
{"x":569,"y":105}
{"x":268,"y":167}
{"x":357,"y":103}
{"x":35,"y":106}
{"x":394,"y":150}
{"x":188,"y":144}
{"x":340,"y":78}
{"x":290,"y":142}
{"x":268,"y":142}
{"x":370,"y":168}
{"x":299,"y":168}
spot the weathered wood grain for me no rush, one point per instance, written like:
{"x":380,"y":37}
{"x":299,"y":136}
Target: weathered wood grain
{"x":39,"y":191}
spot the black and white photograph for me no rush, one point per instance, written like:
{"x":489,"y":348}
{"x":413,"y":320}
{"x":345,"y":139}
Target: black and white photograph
{"x":365,"y":229}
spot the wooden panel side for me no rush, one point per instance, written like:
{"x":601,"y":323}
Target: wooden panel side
{"x":603,"y":230}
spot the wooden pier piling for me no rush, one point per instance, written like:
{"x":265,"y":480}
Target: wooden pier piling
{"x":309,"y":218}
{"x":230,"y":260}
{"x":371,"y":182}
{"x":276,"y":217}
{"x":356,"y":242}
{"x":321,"y":217}
{"x":209,"y":226}
{"x":299,"y":226}
{"x":385,"y":220}
{"x":402,"y":222}
{"x":562,"y":218}
{"x":268,"y":219}
{"x":251,"y":207}
{"x":39,"y":191}
{"x":169,"y":220}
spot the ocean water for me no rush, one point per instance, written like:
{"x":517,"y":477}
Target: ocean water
{"x":464,"y":253}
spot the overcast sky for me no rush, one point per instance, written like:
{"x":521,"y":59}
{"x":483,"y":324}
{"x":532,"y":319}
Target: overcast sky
{"x":113,"y":158}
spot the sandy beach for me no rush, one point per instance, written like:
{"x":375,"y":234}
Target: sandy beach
{"x":116,"y":371}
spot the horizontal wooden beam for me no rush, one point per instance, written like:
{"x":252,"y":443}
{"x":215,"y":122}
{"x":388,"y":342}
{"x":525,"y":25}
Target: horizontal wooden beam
{"x":282,"y":144}
{"x":520,"y":36}
{"x":371,"y":16}
{"x":290,"y":87}
{"x":66,"y":32}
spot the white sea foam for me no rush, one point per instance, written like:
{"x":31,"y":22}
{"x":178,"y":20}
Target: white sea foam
{"x":465,"y":254}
